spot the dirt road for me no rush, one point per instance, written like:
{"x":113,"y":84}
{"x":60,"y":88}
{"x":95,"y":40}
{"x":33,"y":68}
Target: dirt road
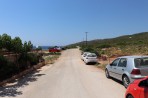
{"x":69,"y":77}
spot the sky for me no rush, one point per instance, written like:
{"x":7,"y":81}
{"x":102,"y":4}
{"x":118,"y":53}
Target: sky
{"x":63,"y":22}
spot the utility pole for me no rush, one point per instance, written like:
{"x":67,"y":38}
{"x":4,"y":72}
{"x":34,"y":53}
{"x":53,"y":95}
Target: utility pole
{"x":86,"y":37}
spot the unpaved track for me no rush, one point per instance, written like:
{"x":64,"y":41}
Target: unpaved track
{"x":69,"y":77}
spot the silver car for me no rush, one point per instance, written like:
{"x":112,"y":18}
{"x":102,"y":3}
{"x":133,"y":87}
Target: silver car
{"x":128,"y":68}
{"x":83,"y":55}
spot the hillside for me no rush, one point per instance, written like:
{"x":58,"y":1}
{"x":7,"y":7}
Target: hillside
{"x":123,"y":45}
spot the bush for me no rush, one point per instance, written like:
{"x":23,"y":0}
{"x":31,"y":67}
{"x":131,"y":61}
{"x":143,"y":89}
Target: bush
{"x":121,"y":44}
{"x":11,"y":69}
{"x":33,"y":58}
{"x":104,"y":46}
{"x":3,"y":61}
{"x":87,"y":49}
{"x":54,"y":53}
{"x":90,"y":49}
{"x":7,"y":69}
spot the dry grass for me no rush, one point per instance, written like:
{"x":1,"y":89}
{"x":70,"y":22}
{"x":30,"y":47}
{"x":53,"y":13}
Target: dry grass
{"x":102,"y":64}
{"x":51,"y":59}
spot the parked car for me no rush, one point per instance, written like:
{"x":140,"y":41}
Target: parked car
{"x":54,"y":50}
{"x":138,"y":89}
{"x":83,"y":55}
{"x":128,"y":68}
{"x":59,"y":48}
{"x":90,"y":58}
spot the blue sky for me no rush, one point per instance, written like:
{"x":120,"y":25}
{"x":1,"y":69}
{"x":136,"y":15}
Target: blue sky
{"x":62,"y":22}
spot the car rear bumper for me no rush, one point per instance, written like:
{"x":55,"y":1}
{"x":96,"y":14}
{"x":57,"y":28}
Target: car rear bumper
{"x":89,"y":61}
{"x":134,"y":77}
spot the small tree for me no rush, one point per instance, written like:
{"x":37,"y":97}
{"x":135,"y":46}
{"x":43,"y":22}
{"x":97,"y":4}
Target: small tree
{"x":24,"y":59}
{"x":29,"y":46}
{"x":16,"y":45}
{"x":6,"y":42}
{"x":16,"y":48}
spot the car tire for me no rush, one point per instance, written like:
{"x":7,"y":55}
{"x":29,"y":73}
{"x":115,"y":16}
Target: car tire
{"x":86,"y":63}
{"x":107,"y":74}
{"x":125,"y":81}
{"x":129,"y":96}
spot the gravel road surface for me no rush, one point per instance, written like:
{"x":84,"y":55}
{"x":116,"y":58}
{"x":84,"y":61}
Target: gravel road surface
{"x":69,"y":77}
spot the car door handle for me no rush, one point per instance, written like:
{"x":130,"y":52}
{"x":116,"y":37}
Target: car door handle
{"x":114,"y":68}
{"x":123,"y":69}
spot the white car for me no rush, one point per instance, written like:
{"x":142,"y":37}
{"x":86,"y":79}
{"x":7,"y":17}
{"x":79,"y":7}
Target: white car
{"x":90,"y":58}
{"x":84,"y":54}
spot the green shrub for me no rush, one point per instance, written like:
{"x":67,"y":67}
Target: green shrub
{"x":33,"y":58}
{"x":87,"y":49}
{"x":90,"y":49}
{"x":11,"y":69}
{"x":7,"y":69}
{"x":3,"y":61}
{"x":104,"y":46}
{"x":54,"y":53}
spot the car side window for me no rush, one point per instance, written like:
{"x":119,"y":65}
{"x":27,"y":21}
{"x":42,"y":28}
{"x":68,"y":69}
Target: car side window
{"x":115,"y":62}
{"x":122,"y":62}
{"x":84,"y":55}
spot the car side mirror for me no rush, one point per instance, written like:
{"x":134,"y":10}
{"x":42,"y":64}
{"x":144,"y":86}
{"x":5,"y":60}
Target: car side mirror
{"x":111,"y":64}
{"x":143,"y":83}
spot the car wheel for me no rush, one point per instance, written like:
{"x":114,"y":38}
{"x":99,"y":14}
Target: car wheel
{"x":86,"y":63}
{"x":130,"y":96}
{"x":107,"y":73}
{"x":126,"y":81}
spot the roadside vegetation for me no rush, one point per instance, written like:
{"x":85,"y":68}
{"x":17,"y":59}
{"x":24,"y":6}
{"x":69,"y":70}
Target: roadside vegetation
{"x":16,"y":56}
{"x":124,"y":45}
{"x":51,"y":57}
{"x":136,"y":44}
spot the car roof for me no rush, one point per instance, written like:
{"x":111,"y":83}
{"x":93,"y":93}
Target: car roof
{"x":86,"y":52}
{"x":138,"y":56}
{"x":91,"y":53}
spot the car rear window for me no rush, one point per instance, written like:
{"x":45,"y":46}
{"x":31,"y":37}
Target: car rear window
{"x":92,"y":55}
{"x":139,"y":62}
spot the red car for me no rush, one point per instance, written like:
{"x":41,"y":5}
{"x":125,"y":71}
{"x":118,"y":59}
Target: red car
{"x":138,"y":89}
{"x":54,"y":50}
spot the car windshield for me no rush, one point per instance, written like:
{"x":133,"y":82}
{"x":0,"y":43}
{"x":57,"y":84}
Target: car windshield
{"x":84,"y":53}
{"x":139,"y":62}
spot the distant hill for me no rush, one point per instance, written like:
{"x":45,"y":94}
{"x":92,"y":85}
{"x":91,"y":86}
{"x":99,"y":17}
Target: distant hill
{"x":127,"y":44}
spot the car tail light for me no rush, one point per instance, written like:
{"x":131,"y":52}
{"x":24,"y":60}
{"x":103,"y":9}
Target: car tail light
{"x":135,"y":72}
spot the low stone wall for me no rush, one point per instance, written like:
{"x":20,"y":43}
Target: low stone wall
{"x":35,"y":67}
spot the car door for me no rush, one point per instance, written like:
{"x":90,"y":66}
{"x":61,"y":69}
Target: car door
{"x":121,"y":68}
{"x":112,"y":67}
{"x":144,"y":94}
{"x":144,"y":90}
